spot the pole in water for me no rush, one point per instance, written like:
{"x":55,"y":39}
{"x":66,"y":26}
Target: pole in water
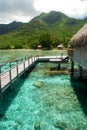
{"x":72,"y":67}
{"x":58,"y":66}
{"x":80,"y":73}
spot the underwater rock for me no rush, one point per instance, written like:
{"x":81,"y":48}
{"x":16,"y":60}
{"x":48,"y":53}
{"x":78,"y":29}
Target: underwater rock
{"x":38,"y":84}
{"x":20,"y":121}
{"x":60,"y":125}
{"x":53,"y":73}
{"x":37,"y":125}
{"x":77,"y":129}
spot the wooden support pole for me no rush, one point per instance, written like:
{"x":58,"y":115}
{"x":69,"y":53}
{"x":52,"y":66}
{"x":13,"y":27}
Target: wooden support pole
{"x":59,"y":66}
{"x":25,"y":58}
{"x":0,"y":77}
{"x":24,"y":67}
{"x":1,"y":95}
{"x":34,"y":58}
{"x":31,"y":58}
{"x":10,"y":76}
{"x":28,"y":61}
{"x":17,"y":68}
{"x":72,"y":67}
{"x":80,"y":73}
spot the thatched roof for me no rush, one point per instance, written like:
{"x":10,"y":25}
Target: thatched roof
{"x":60,"y":46}
{"x":80,"y":38}
{"x":39,"y":46}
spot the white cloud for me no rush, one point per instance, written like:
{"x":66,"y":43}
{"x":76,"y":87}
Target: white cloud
{"x":20,"y":10}
{"x":24,"y":10}
{"x":73,"y":8}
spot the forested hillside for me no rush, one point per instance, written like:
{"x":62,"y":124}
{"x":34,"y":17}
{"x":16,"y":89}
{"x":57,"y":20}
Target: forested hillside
{"x":54,"y":27}
{"x":5,"y":28}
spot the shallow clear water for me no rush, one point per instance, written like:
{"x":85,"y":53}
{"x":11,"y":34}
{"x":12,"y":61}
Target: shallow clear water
{"x":19,"y":55}
{"x":6,"y":55}
{"x":45,"y":97}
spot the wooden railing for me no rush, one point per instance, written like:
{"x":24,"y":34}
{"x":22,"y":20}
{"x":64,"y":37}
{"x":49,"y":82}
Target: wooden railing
{"x":7,"y":77}
{"x":10,"y":75}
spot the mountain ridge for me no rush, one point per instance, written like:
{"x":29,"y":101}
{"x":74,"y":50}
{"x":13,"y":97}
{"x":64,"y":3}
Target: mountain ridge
{"x":5,"y":28}
{"x":57,"y":24}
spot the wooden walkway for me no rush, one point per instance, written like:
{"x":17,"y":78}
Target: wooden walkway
{"x":6,"y":78}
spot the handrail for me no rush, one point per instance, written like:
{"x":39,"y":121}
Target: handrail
{"x":8,"y":76}
{"x":17,"y":61}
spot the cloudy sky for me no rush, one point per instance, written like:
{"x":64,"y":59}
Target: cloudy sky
{"x":25,"y":10}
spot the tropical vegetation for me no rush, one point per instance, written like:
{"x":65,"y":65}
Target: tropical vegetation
{"x":48,"y":30}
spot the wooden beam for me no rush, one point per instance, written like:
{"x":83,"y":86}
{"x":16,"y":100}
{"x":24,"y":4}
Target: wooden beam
{"x":80,"y":73}
{"x":72,"y":67}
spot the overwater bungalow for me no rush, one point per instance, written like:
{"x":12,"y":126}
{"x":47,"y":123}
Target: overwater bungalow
{"x":39,"y":47}
{"x":60,"y":47}
{"x":78,"y":49}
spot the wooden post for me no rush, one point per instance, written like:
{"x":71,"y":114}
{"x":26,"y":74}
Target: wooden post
{"x":0,"y":77}
{"x":58,"y":66}
{"x":17,"y":68}
{"x":10,"y":76}
{"x":1,"y":96}
{"x":32,"y":59}
{"x":80,"y":73}
{"x":28,"y":61}
{"x":37,"y":57}
{"x":25,"y":58}
{"x":72,"y":67}
{"x":24,"y":67}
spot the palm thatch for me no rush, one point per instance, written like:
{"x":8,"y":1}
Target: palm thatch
{"x":60,"y":46}
{"x":80,"y":38}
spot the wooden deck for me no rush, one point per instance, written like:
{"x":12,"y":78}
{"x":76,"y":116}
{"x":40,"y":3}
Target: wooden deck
{"x":54,"y":59}
{"x":6,"y":78}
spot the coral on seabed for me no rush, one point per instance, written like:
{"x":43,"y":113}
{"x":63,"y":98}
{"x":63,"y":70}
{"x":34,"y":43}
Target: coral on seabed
{"x":59,"y":72}
{"x":60,"y":125}
{"x":37,"y":125}
{"x":38,"y":84}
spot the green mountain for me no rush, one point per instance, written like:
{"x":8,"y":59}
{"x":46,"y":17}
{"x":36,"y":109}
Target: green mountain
{"x":5,"y":28}
{"x":60,"y":27}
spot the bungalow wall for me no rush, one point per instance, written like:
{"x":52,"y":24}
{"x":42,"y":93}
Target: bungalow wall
{"x":80,"y":55}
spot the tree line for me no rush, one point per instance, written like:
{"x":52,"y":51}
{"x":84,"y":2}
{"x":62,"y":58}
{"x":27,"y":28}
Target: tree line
{"x":45,"y":40}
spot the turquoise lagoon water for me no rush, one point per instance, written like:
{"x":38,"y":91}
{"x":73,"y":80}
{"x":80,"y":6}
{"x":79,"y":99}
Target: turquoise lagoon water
{"x":52,"y":100}
{"x":6,"y":55}
{"x":43,"y":97}
{"x":13,"y":55}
